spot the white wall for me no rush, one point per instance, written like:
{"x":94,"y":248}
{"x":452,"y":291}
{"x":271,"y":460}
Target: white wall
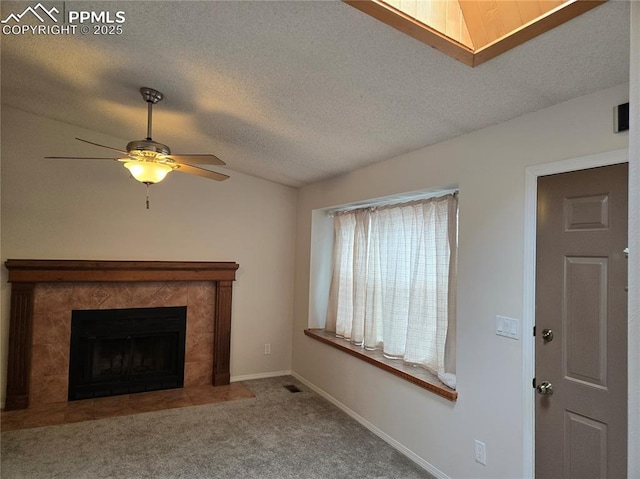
{"x":489,"y":167}
{"x":93,"y":210}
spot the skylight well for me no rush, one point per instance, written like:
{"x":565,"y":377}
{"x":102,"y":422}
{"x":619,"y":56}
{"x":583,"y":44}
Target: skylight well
{"x":474,"y":31}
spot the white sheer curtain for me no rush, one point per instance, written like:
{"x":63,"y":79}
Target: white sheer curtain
{"x":393,"y":283}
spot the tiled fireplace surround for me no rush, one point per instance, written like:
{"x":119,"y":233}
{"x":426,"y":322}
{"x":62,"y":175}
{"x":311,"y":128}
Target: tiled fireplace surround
{"x":44,"y":292}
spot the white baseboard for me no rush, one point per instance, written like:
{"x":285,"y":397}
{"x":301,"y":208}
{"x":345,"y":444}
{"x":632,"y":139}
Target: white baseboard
{"x":378,"y":432}
{"x":249,"y":377}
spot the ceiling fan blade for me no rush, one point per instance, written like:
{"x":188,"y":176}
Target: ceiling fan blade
{"x":102,"y":146}
{"x":192,"y":170}
{"x":198,"y":159}
{"x":77,"y":158}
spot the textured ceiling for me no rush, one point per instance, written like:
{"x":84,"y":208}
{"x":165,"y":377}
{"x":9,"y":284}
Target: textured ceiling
{"x":294,"y":92}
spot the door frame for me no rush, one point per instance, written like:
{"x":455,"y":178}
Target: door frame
{"x":529,"y":284}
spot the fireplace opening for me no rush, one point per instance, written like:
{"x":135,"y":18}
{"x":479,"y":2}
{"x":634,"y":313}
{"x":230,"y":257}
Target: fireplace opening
{"x":122,"y":351}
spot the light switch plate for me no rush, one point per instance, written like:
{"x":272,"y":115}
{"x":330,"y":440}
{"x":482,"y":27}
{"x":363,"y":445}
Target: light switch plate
{"x":508,"y":327}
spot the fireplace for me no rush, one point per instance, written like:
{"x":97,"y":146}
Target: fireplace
{"x":122,"y":351}
{"x":45,"y":292}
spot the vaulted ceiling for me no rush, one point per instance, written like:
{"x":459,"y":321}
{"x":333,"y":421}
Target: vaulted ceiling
{"x":290,"y":91}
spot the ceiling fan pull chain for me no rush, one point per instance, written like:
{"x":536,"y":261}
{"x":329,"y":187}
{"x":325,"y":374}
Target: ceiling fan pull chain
{"x":147,"y":194}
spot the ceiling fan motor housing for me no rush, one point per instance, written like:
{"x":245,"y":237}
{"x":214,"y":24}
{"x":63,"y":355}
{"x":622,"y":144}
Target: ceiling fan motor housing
{"x":153,"y":148}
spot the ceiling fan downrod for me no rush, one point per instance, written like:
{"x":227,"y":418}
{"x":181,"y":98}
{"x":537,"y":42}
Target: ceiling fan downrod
{"x":148,"y":148}
{"x":152,"y":97}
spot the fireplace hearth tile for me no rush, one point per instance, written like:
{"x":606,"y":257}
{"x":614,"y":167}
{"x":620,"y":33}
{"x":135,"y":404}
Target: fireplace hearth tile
{"x":127,"y":404}
{"x":87,"y":296}
{"x":201,"y":303}
{"x":48,"y":419}
{"x":128,"y":295}
{"x":200,"y":291}
{"x":49,"y":360}
{"x":98,"y":408}
{"x":179,"y":296}
{"x":199,"y":347}
{"x":78,"y":415}
{"x":49,"y":389}
{"x":197,"y":373}
{"x":106,"y":405}
{"x":197,"y":322}
{"x":52,"y":297}
{"x":158,"y":400}
{"x":113,"y":411}
{"x":207,"y":394}
{"x":44,"y":415}
{"x":166,"y":292}
{"x":100,"y":295}
{"x":51,"y":327}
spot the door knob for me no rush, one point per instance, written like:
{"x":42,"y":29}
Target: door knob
{"x":546,"y":388}
{"x":547,"y":335}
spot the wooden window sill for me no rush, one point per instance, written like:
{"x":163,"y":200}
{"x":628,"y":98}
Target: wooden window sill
{"x":415,"y":375}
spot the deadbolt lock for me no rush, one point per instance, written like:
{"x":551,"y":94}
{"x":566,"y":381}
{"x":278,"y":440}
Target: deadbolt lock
{"x":547,"y":335}
{"x":545,"y":389}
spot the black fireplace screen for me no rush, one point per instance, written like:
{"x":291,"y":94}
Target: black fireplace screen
{"x":121,"y":351}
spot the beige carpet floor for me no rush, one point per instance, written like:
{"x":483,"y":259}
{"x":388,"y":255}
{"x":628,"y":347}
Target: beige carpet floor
{"x":277,"y":434}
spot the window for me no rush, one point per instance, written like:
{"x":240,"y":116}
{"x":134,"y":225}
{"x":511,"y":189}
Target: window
{"x":393,"y":281}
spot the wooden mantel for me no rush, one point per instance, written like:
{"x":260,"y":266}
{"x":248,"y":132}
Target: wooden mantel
{"x":25,"y":274}
{"x":51,"y":271}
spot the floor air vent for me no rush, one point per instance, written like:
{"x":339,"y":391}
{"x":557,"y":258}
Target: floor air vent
{"x":292,"y":388}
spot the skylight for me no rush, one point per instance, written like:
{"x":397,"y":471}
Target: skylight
{"x":474,"y":31}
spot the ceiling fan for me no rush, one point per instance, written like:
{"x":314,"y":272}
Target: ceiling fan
{"x":148,"y":161}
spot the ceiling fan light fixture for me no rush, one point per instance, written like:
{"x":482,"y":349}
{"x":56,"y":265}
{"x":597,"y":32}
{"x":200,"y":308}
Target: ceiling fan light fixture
{"x":147,"y":172}
{"x":149,"y":161}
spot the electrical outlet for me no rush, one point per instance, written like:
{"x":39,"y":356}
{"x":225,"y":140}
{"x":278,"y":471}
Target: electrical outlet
{"x":481,"y":453}
{"x":267,"y":348}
